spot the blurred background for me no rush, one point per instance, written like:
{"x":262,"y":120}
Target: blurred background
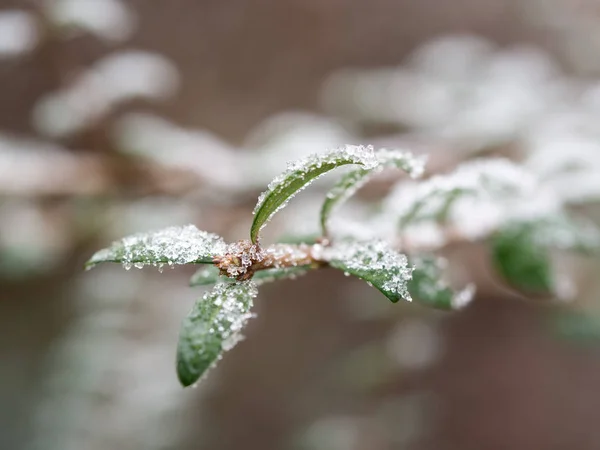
{"x":118,"y":116}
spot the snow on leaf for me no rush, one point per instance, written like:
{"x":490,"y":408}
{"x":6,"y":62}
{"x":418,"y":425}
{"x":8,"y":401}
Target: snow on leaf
{"x":428,"y":287}
{"x":521,"y":250}
{"x":351,"y":182}
{"x":300,"y":174}
{"x":213,"y":326}
{"x":567,"y":162}
{"x":484,"y":179}
{"x":173,"y":245}
{"x":376,"y":263}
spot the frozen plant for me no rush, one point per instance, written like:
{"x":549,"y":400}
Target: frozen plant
{"x":395,"y":266}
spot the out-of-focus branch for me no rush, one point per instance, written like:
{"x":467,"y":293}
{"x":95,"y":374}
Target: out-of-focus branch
{"x":63,"y":174}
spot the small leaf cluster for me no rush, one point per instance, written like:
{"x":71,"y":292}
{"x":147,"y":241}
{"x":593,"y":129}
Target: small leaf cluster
{"x":520,"y":247}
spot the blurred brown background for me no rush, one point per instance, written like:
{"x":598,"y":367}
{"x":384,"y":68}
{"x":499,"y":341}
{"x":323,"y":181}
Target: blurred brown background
{"x":87,"y":358}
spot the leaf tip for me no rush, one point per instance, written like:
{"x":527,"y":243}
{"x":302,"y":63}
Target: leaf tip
{"x":185,"y":376}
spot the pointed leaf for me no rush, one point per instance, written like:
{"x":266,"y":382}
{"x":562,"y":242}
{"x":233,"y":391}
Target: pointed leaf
{"x":521,"y":260}
{"x":299,"y":175}
{"x":352,"y":181}
{"x":375,"y":262}
{"x":210,"y":275}
{"x":174,"y":245}
{"x":427,"y":285}
{"x":212,"y":327}
{"x":521,"y":250}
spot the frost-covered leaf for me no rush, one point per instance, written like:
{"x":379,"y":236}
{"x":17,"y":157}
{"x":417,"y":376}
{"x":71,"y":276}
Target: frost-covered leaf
{"x":300,"y":174}
{"x":428,"y":287}
{"x":565,"y":233}
{"x":375,"y":262}
{"x":174,"y":245}
{"x":212,"y":327}
{"x":521,"y":250}
{"x":352,"y":181}
{"x":485,"y":179}
{"x":210,"y":275}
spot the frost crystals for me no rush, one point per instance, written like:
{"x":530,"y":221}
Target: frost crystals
{"x":174,"y":245}
{"x":376,"y":263}
{"x":212,"y":327}
{"x":428,"y":286}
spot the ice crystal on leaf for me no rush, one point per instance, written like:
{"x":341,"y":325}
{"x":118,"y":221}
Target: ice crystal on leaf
{"x":212,"y":327}
{"x":489,"y":179}
{"x":173,"y":245}
{"x":560,"y":232}
{"x":428,"y":286}
{"x":376,"y":263}
{"x":488,"y":192}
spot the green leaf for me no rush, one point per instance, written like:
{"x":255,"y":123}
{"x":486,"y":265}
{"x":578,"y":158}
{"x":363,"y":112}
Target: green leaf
{"x":299,"y":175}
{"x":210,"y":275}
{"x":427,"y":285}
{"x":375,"y":262}
{"x":352,"y":181}
{"x":564,"y":232}
{"x":174,"y":245}
{"x":521,"y":250}
{"x":521,"y":260}
{"x":212,"y":327}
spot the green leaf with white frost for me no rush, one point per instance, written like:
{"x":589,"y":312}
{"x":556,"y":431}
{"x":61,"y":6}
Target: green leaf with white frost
{"x":212,"y":327}
{"x":351,"y":182}
{"x":521,"y":250}
{"x":375,"y":262}
{"x":486,"y":179}
{"x":174,"y":245}
{"x":300,"y":174}
{"x":210,"y":275}
{"x":427,"y":285}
